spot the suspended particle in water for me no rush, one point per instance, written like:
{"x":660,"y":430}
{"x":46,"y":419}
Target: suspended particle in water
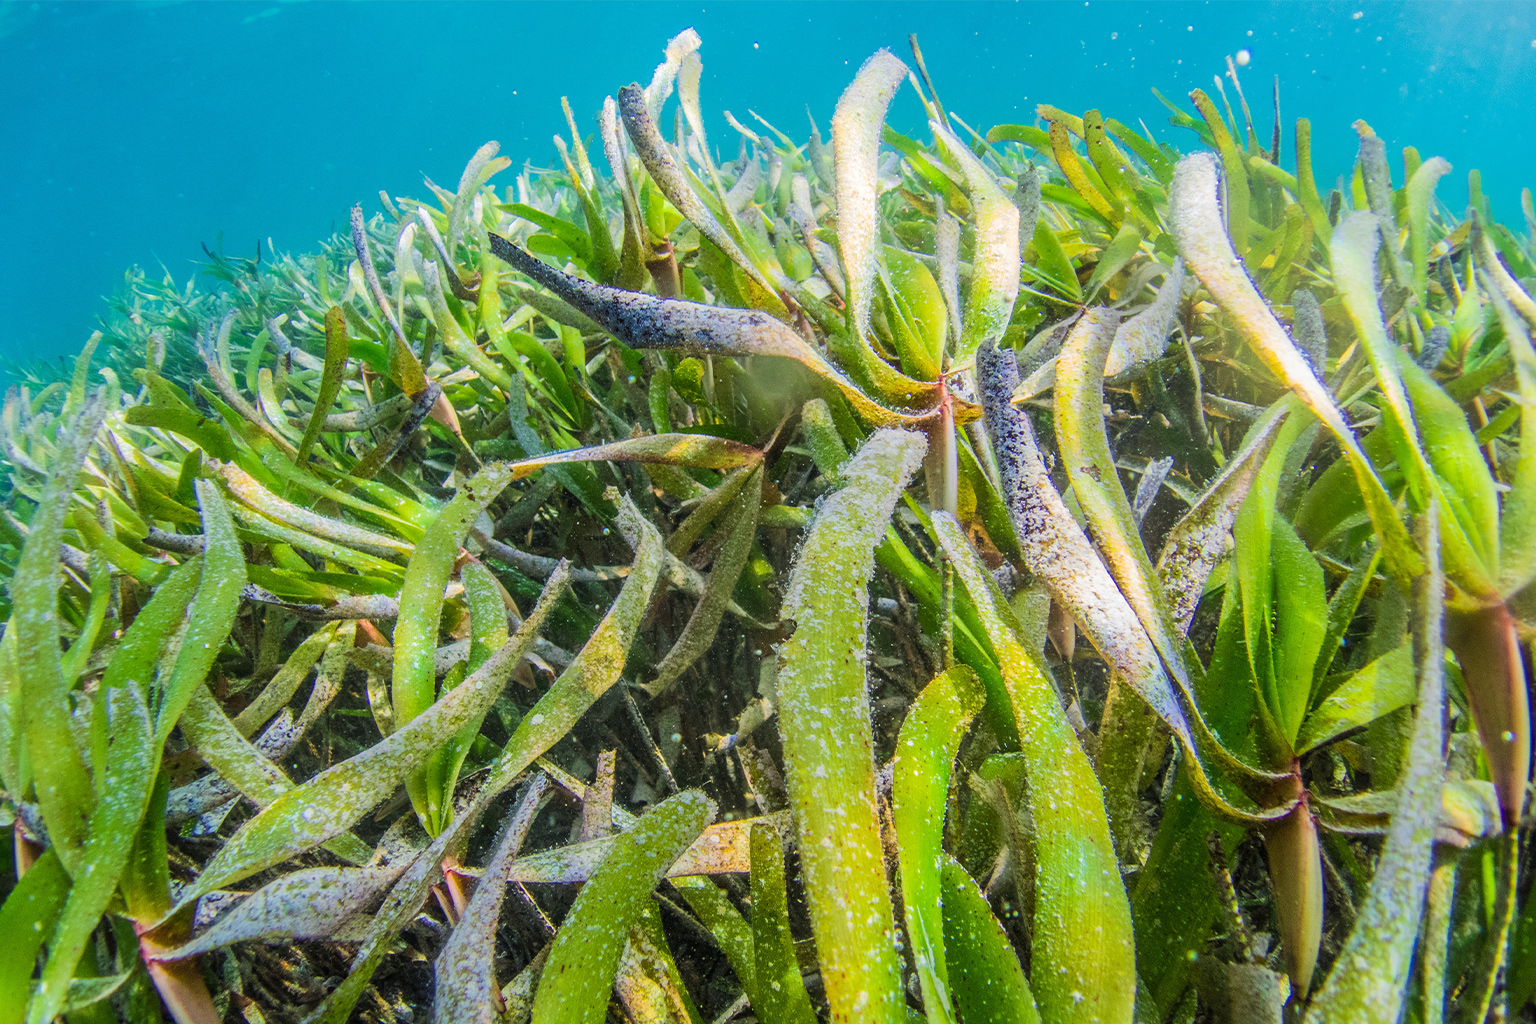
{"x":1243,"y":57}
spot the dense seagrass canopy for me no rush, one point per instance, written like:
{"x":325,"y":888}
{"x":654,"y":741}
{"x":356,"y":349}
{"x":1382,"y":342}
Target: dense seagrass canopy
{"x":1064,"y":573}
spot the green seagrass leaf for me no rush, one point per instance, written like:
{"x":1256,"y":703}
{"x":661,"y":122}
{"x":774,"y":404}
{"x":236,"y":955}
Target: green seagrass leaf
{"x":1206,"y":248}
{"x":781,"y":992}
{"x":1120,"y":250}
{"x":413,"y":687}
{"x":1465,"y":487}
{"x":915,"y":310}
{"x":1377,"y":689}
{"x":1083,"y":951}
{"x":1421,"y":193}
{"x":27,"y":919}
{"x":213,"y":611}
{"x":126,"y":780}
{"x":1517,"y":521}
{"x":60,"y":774}
{"x":731,"y":932}
{"x":1353,"y":255}
{"x":336,"y":352}
{"x":925,"y":752}
{"x":989,"y":984}
{"x":1370,"y":976}
{"x":333,"y":801}
{"x":824,"y":718}
{"x":481,"y":166}
{"x":740,"y":528}
{"x":1282,"y":600}
{"x":579,"y":974}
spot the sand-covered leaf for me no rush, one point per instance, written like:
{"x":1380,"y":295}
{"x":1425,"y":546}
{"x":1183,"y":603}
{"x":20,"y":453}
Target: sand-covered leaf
{"x":1207,"y":249}
{"x":995,"y":260}
{"x":700,"y":451}
{"x":61,"y":778}
{"x":646,"y":322}
{"x":312,"y":903}
{"x":465,"y":967}
{"x":723,"y":848}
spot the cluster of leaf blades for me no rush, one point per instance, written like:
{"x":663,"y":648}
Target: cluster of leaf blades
{"x":775,"y":495}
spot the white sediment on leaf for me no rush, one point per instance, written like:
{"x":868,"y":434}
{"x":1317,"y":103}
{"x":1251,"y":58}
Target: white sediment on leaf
{"x":678,"y":47}
{"x":314,"y":903}
{"x":1142,"y":338}
{"x":856,"y":128}
{"x":334,"y":800}
{"x":849,"y":514}
{"x":465,"y":969}
{"x":1057,"y":551}
{"x":1203,"y":242}
{"x":995,"y":260}
{"x":824,"y":717}
{"x":1199,"y":540}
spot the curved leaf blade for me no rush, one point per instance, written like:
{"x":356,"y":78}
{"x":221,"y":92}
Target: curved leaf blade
{"x":824,"y":725}
{"x":579,"y":974}
{"x":699,"y":451}
{"x":989,"y":984}
{"x":1083,"y":953}
{"x":646,"y":322}
{"x":333,"y":801}
{"x":1203,"y":242}
{"x":1370,"y":976}
{"x":925,"y":754}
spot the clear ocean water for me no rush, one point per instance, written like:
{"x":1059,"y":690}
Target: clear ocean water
{"x":135,"y":133}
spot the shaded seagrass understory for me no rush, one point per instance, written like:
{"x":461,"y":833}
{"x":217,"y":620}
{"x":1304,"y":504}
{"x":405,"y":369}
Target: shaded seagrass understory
{"x":1032,"y":575}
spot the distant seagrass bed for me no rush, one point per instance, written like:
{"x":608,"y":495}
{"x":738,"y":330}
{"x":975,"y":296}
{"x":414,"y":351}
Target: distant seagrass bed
{"x":1023,"y":573}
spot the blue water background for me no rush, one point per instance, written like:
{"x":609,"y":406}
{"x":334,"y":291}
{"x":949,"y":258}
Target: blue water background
{"x":134,"y":133}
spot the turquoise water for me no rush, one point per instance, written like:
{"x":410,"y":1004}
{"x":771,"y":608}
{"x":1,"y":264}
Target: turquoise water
{"x":135,"y":133}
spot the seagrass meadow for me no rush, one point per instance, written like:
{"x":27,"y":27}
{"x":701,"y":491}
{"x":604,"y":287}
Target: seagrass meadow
{"x":1025,"y":573}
